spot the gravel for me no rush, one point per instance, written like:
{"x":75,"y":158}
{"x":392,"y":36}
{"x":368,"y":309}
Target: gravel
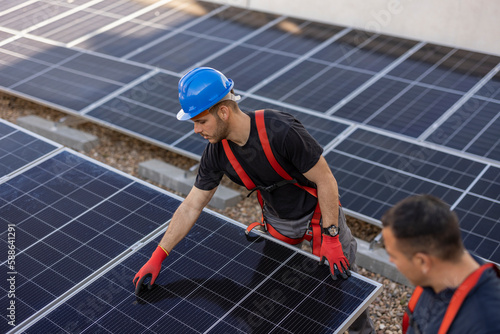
{"x":124,"y":152}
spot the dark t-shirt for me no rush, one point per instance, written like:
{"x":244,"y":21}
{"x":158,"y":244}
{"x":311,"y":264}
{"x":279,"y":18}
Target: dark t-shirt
{"x":294,"y":149}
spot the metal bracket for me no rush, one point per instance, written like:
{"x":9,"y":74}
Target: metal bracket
{"x":377,"y":242}
{"x":70,"y":121}
{"x":192,"y":170}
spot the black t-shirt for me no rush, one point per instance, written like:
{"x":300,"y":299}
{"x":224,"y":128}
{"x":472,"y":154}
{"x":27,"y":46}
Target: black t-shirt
{"x":294,"y":149}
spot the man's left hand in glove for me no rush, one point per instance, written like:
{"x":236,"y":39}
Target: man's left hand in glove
{"x":331,"y":250}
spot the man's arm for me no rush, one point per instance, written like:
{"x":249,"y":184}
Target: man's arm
{"x":328,"y":193}
{"x":185,"y":217}
{"x":328,"y":198}
{"x":183,"y":220}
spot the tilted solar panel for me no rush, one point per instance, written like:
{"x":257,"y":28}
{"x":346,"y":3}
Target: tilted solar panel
{"x":79,"y":224}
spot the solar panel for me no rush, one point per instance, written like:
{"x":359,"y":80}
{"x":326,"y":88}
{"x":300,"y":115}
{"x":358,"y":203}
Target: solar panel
{"x":78,"y":225}
{"x":473,"y":128}
{"x":72,"y":216}
{"x":215,"y":280}
{"x":118,"y":63}
{"x":377,"y":171}
{"x":19,"y":148}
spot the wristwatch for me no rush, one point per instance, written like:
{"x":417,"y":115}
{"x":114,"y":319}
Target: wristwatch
{"x":331,"y":230}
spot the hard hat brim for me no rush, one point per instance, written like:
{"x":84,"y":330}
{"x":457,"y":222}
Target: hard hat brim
{"x":182,"y":116}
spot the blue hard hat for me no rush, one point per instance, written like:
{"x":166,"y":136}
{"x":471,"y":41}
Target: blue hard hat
{"x":200,"y":89}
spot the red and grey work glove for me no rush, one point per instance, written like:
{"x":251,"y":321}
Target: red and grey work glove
{"x":150,"y":269}
{"x":331,"y":250}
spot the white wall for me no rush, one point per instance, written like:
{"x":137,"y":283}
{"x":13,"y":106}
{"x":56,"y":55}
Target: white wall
{"x":466,"y":24}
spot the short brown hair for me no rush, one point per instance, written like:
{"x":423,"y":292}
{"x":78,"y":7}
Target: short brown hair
{"x":424,"y":223}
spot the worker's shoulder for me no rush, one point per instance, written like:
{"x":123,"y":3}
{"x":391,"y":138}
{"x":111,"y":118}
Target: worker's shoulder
{"x":283,"y":117}
{"x":484,"y":298}
{"x":479,"y":311}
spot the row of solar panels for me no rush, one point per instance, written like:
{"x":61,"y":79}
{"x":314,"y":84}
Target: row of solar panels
{"x":427,"y":115}
{"x":395,"y":85}
{"x":78,"y":227}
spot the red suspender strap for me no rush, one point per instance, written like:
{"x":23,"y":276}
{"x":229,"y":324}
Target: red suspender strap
{"x":455,"y":303}
{"x":459,"y":297}
{"x":249,"y":184}
{"x":247,"y":181}
{"x":237,"y":167}
{"x":264,"y":140}
{"x":316,"y":230}
{"x":411,"y":306}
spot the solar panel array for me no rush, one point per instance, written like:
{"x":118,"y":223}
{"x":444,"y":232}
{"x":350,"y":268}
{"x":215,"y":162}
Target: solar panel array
{"x":81,"y":231}
{"x":394,"y":116}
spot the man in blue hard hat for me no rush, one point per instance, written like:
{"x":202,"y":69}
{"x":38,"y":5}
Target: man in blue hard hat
{"x":269,"y":152}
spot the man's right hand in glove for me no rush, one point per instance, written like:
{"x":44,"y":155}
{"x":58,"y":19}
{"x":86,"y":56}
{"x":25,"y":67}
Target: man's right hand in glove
{"x":150,"y":269}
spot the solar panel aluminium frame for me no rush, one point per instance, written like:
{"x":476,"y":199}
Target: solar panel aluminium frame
{"x":31,"y":320}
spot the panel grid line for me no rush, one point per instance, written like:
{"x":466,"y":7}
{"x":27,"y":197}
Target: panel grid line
{"x":375,"y":78}
{"x":459,"y":103}
{"x":236,"y":43}
{"x":174,"y":32}
{"x":117,"y":22}
{"x":299,"y":60}
{"x":471,"y":185}
{"x":406,"y":89}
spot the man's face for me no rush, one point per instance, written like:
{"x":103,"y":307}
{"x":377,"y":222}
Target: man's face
{"x":211,"y":128}
{"x":409,"y":267}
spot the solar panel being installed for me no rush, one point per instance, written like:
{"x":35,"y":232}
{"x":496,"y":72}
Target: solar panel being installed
{"x":78,"y":225}
{"x":119,"y":63}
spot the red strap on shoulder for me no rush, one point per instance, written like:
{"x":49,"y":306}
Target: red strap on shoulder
{"x":237,"y":167}
{"x":264,"y":140}
{"x":411,"y":306}
{"x":459,"y":297}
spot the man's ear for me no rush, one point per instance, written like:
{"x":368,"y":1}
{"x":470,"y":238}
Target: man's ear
{"x":422,"y":262}
{"x":223,"y":112}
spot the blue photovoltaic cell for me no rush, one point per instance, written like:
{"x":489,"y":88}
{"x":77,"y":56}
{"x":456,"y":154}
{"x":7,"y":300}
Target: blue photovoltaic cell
{"x":377,"y":53}
{"x":372,"y":100}
{"x":177,"y":52}
{"x":123,"y":39}
{"x":248,"y":67}
{"x":411,"y":111}
{"x":294,"y":36}
{"x":72,"y":217}
{"x":232,"y":23}
{"x":491,"y":89}
{"x":445,"y":67}
{"x":480,"y":226}
{"x":473,"y":128}
{"x":489,"y":184}
{"x":25,"y":17}
{"x":148,"y":109}
{"x":19,"y":148}
{"x":374,"y":172}
{"x":79,"y":79}
{"x":314,"y":86}
{"x":73,"y":26}
{"x":214,"y":281}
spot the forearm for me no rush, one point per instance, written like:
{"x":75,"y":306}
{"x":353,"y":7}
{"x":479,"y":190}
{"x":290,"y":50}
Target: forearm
{"x":328,"y":197}
{"x":185,"y":217}
{"x":328,"y":191}
{"x":180,"y":225}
